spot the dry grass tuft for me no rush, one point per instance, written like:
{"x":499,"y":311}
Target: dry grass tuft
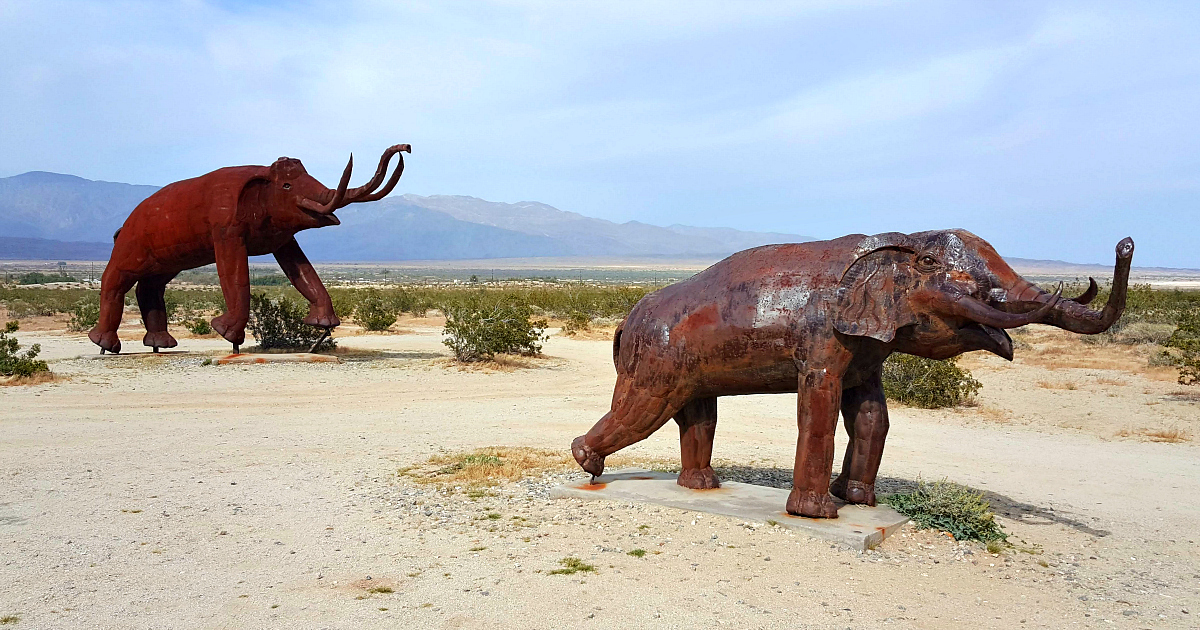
{"x":1172,"y":435}
{"x":494,"y":465}
{"x":993,"y":414}
{"x":37,"y":378}
{"x":1069,"y":385}
{"x":1105,"y":380}
{"x":1168,"y":434}
{"x":499,"y":363}
{"x":489,"y":466}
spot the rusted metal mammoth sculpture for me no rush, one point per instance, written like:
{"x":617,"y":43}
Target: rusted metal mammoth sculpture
{"x":819,"y":319}
{"x":223,"y":217}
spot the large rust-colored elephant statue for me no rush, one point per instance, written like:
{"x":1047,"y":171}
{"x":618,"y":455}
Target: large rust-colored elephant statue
{"x":223,"y":217}
{"x":819,"y":319}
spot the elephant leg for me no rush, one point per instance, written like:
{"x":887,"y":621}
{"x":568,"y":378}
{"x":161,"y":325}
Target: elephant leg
{"x":864,"y":409}
{"x":697,"y":422}
{"x":300,"y":272}
{"x":151,"y":301}
{"x":818,"y":397}
{"x":635,"y":414}
{"x":113,"y":287}
{"x":233,"y":269}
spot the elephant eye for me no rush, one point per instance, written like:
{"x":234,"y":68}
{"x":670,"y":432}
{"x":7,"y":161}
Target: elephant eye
{"x":928,"y":261}
{"x":287,"y":186}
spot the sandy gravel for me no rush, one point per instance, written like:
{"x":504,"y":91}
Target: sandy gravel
{"x":157,"y":492}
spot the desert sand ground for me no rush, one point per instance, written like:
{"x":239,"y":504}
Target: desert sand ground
{"x":157,"y":492}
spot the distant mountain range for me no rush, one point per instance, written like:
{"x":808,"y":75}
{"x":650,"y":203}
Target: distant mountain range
{"x":49,"y":216}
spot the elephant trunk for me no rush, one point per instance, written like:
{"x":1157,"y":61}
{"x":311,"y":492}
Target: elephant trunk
{"x":1073,"y":315}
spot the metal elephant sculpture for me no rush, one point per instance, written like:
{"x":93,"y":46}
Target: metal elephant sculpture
{"x":224,"y":217}
{"x":819,"y":319}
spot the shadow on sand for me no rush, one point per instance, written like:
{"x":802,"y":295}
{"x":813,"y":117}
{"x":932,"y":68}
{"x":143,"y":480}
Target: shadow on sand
{"x":1003,"y":505}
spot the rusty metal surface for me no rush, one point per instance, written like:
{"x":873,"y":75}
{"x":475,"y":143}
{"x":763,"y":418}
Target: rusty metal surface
{"x":224,"y":217}
{"x":819,"y":319}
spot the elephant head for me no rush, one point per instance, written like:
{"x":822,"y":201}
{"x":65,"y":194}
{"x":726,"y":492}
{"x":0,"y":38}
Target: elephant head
{"x":288,"y":186}
{"x":938,"y":294}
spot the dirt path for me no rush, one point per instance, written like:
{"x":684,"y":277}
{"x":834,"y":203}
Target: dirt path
{"x":156,"y":492}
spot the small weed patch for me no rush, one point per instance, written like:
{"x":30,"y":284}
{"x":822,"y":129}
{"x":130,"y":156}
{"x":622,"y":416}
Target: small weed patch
{"x":381,"y":590}
{"x":9,"y":620}
{"x":473,"y":549}
{"x":572,"y":565}
{"x":950,"y":507}
{"x":638,"y":553}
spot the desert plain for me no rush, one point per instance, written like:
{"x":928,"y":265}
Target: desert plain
{"x":163,"y":491}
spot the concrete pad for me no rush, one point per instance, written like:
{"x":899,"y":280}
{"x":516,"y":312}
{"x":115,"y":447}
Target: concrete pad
{"x":291,"y":357}
{"x":108,"y":356}
{"x":857,"y":526}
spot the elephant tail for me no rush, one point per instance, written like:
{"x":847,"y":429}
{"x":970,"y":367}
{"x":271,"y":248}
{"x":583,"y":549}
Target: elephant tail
{"x":617,"y":345}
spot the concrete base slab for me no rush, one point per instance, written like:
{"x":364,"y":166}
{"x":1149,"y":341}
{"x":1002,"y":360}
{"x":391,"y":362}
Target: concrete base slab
{"x":291,"y":357}
{"x":857,"y":526}
{"x":147,"y":353}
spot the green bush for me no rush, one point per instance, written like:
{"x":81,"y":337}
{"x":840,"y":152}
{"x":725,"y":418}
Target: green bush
{"x":375,"y":312}
{"x":1184,"y":347}
{"x":198,"y":326}
{"x":927,"y":383}
{"x":949,"y":507}
{"x":279,"y":323}
{"x":478,"y":333}
{"x":12,"y":361}
{"x":577,"y":321}
{"x":85,"y":314}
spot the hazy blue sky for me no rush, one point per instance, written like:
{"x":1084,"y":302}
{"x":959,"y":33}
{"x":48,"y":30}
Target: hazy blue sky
{"x":1052,"y":129}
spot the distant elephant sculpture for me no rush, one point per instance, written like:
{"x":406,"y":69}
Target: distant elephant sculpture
{"x":224,"y":217}
{"x":819,"y":319}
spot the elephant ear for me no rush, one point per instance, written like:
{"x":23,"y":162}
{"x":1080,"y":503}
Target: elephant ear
{"x":233,"y":193}
{"x":252,"y":200}
{"x":871,"y":297}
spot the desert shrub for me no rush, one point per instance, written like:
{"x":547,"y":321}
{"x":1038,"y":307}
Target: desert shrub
{"x":927,"y":383}
{"x":949,"y":507}
{"x":374,"y":311}
{"x":577,"y":321}
{"x":198,"y":326}
{"x":85,"y":314}
{"x":479,"y":333}
{"x":12,"y":361}
{"x":20,"y":309}
{"x":1183,"y":347}
{"x":278,"y":322}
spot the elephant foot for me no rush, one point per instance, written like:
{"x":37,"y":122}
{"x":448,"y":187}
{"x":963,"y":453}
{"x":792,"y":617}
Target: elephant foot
{"x":811,"y":504}
{"x":322,"y":318}
{"x":852,"y":491}
{"x":587,"y":458}
{"x":160,"y":339}
{"x":698,"y":478}
{"x":107,"y":340}
{"x":232,"y":331}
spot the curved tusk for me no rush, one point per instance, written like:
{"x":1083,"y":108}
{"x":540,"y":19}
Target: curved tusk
{"x":395,"y":178}
{"x":975,"y":310}
{"x":1088,"y":295}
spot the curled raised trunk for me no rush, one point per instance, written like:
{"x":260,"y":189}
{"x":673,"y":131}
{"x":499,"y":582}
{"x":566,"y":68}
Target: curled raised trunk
{"x":1070,"y":314}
